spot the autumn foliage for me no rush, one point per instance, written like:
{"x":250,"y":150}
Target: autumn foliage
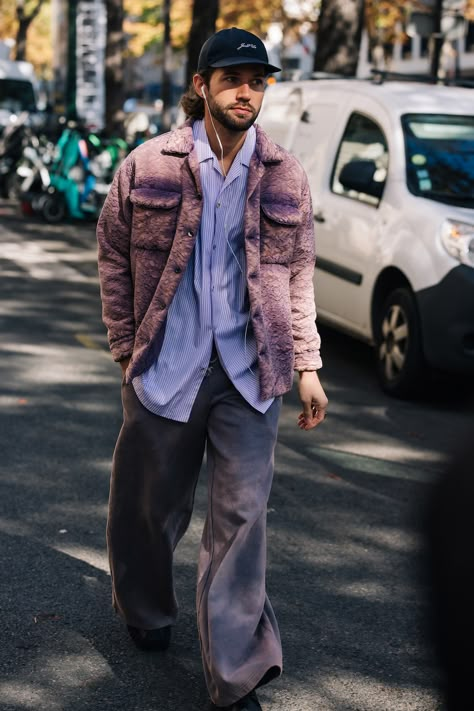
{"x":384,"y":19}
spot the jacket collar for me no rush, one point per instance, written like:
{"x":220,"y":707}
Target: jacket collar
{"x":180,"y":142}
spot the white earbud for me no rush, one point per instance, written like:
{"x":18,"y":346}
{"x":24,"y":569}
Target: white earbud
{"x":203,"y":94}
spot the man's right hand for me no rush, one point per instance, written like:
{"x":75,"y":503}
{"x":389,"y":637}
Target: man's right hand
{"x":124,"y":365}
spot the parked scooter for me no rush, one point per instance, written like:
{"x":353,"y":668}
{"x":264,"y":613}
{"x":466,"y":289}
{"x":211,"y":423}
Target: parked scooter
{"x":11,"y":150}
{"x":79,"y":176}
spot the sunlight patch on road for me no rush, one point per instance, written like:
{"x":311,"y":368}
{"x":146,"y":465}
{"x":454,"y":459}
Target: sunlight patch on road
{"x":329,"y":457}
{"x":373,"y":465}
{"x":39,"y":263}
{"x":14,"y":527}
{"x":48,"y":364}
{"x":59,"y":675}
{"x":87,"y":555}
{"x":77,"y":670}
{"x":23,"y":695}
{"x":363,"y":589}
{"x":371,"y":694}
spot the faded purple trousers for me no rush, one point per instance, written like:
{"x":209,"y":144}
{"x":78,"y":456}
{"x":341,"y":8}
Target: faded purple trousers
{"x":155,"y":470}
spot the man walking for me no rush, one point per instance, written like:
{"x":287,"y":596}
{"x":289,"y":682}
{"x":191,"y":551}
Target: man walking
{"x":206,"y":258}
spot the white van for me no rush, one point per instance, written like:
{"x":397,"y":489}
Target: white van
{"x":18,"y":90}
{"x":391,"y":170}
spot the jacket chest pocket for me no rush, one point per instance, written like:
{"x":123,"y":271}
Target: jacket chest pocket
{"x":155,"y":214}
{"x":279,"y":223}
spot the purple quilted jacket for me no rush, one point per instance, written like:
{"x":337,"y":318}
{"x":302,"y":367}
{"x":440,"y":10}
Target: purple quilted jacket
{"x":146,"y":233}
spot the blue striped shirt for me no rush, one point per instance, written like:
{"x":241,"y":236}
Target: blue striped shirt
{"x":211,"y":302}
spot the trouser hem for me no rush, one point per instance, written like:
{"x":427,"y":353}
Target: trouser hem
{"x":252,"y":683}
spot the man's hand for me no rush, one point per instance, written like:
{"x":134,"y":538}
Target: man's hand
{"x":313,"y":399}
{"x":124,"y":365}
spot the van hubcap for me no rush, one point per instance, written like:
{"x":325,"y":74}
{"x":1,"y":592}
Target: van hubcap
{"x":394,"y":345}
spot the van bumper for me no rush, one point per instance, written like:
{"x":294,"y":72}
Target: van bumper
{"x":447,"y":321}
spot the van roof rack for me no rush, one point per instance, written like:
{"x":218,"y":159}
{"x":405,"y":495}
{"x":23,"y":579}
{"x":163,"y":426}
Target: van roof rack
{"x":329,"y":75}
{"x":379,"y":76}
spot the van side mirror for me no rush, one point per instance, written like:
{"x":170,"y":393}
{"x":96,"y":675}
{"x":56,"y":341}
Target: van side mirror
{"x":358,"y":175}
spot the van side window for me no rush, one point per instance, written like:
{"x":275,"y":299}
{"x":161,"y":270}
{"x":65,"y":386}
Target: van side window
{"x":361,"y":164}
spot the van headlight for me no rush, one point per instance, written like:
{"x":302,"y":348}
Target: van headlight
{"x":458,"y":240}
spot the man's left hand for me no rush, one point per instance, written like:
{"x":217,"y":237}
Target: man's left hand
{"x":313,"y":399}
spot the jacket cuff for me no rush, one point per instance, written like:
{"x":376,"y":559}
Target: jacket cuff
{"x":121,"y":350}
{"x":307,"y":361}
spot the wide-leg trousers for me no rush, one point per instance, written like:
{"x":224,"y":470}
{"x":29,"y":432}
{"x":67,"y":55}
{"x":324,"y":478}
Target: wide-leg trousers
{"x":155,"y":470}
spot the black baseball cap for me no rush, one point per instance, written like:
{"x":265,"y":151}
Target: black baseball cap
{"x":233,"y":46}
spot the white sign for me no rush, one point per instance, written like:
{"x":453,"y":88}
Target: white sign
{"x":91,"y":26}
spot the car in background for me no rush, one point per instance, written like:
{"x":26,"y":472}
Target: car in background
{"x":18,"y":91}
{"x":391,"y":172}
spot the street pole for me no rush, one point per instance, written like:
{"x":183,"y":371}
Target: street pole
{"x":167,"y":68}
{"x":71,"y":74}
{"x":436,"y":39}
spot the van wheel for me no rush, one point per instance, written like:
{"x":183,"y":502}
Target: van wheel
{"x":400,"y":362}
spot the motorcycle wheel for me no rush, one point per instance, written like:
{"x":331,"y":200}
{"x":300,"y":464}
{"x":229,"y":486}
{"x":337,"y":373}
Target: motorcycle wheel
{"x":53,"y":209}
{"x":13,"y":186}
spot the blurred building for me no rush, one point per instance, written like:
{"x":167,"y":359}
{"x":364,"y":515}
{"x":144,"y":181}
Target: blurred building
{"x":411,"y":53}
{"x":399,"y":53}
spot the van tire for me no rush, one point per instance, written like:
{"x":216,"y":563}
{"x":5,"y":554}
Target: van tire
{"x":400,"y":363}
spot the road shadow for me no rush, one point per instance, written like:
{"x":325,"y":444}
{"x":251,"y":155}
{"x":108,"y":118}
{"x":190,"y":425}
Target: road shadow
{"x":63,"y":648}
{"x":344,"y":544}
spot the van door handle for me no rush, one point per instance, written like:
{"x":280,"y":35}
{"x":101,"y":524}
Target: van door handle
{"x":319,"y":217}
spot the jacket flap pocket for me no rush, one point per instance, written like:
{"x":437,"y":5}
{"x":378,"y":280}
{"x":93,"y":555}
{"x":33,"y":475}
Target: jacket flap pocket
{"x":282,"y":213}
{"x":157,"y":199}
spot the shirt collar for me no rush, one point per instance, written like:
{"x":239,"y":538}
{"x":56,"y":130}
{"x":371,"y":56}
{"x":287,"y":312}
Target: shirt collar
{"x":205,"y":152}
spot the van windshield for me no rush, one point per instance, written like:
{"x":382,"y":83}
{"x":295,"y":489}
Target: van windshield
{"x":17,"y":95}
{"x":440,"y":157}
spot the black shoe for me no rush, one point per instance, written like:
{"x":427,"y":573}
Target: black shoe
{"x":151,"y":640}
{"x":247,"y":703}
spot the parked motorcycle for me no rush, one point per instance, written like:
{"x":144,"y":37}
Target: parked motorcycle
{"x":79,"y":176}
{"x":11,"y":150}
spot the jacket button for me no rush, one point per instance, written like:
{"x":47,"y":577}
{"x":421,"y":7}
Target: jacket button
{"x":177,"y":270}
{"x":189,"y":233}
{"x":161,"y":305}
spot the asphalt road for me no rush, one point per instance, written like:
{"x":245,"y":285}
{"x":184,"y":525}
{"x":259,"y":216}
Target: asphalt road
{"x":345,"y":517}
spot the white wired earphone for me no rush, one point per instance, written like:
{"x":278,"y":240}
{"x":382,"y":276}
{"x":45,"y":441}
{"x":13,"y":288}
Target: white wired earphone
{"x":203,"y":94}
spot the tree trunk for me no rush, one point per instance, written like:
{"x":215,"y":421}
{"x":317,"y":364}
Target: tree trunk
{"x":205,"y":14}
{"x":24,"y":22}
{"x":166,"y":81}
{"x":114,"y":68}
{"x":339,"y":36}
{"x":20,"y":45}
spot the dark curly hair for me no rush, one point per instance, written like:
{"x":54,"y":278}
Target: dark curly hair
{"x":192,"y":103}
